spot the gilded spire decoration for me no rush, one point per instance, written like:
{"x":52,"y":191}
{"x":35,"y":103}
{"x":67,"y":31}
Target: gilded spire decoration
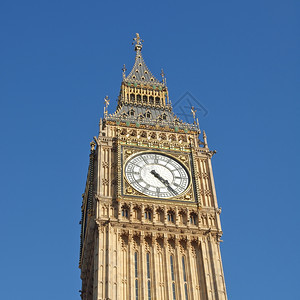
{"x":124,"y":71}
{"x":193,"y":110}
{"x":196,"y":121}
{"x":164,"y":80}
{"x":106,"y":101}
{"x":138,"y":42}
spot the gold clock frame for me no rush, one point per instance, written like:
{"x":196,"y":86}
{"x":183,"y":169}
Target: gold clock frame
{"x":127,"y":190}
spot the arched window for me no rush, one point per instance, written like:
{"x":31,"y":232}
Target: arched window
{"x":148,"y":265}
{"x":148,"y":275}
{"x":148,"y":214}
{"x":183,"y":269}
{"x":136,"y":264}
{"x":125,"y":212}
{"x":171,"y":217}
{"x":182,"y":217}
{"x":149,"y":290}
{"x":145,"y":99}
{"x":148,"y":114}
{"x":131,"y":112}
{"x":136,"y":289}
{"x":157,"y":101}
{"x":193,"y":219}
{"x":138,"y":98}
{"x":136,"y":275}
{"x":132,"y":97}
{"x":184,"y":278}
{"x":173,"y":277}
{"x":151,"y":100}
{"x":164,"y":117}
{"x":160,"y":215}
{"x":136,"y":213}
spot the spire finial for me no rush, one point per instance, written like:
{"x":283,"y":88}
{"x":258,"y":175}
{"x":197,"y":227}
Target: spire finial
{"x":193,"y":110}
{"x":162,"y":73}
{"x":106,"y":100}
{"x":196,"y":121}
{"x":124,"y":70}
{"x":92,"y":144}
{"x":205,"y":139}
{"x":138,"y":42}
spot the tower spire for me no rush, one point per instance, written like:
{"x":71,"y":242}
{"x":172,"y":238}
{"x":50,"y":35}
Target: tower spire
{"x":140,"y":73}
{"x":144,"y":99}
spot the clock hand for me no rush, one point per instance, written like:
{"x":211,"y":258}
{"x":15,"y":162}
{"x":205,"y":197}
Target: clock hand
{"x":156,"y":175}
{"x":164,"y":181}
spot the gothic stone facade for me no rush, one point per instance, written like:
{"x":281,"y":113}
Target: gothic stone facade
{"x":136,"y":246}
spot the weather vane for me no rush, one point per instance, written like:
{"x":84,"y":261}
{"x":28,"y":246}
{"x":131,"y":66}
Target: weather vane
{"x":138,"y":42}
{"x":106,"y":100}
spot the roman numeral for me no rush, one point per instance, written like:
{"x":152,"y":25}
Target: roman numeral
{"x":144,"y":159}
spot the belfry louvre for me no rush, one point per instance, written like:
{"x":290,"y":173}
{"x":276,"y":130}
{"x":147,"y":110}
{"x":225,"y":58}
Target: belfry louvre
{"x":150,"y":226}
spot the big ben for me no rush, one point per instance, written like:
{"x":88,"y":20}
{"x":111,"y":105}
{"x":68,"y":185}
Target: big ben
{"x":150,"y":226}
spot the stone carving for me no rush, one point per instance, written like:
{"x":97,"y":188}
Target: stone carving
{"x":105,"y":181}
{"x":159,"y":244}
{"x":171,"y":244}
{"x":105,"y":164}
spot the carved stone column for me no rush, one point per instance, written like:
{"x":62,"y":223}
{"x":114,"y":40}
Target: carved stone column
{"x":207,"y":270}
{"x":154,"y":214}
{"x":143,"y":267}
{"x":168,"y":281}
{"x":142,"y":213}
{"x":155,"y":271}
{"x":130,"y":263}
{"x":165,"y":215}
{"x":108,"y":268}
{"x":178,"y":268}
{"x":130,"y":212}
{"x":215,"y":259}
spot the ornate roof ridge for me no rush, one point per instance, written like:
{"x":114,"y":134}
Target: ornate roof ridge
{"x":149,"y":115}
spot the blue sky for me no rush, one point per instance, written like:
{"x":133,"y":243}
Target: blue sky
{"x":239,"y":59}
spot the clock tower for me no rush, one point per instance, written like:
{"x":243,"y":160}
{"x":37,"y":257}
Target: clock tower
{"x":150,"y":226}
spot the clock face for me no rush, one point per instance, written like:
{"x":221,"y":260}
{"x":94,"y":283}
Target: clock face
{"x":156,"y":175}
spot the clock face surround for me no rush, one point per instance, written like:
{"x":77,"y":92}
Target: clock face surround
{"x":156,"y":175}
